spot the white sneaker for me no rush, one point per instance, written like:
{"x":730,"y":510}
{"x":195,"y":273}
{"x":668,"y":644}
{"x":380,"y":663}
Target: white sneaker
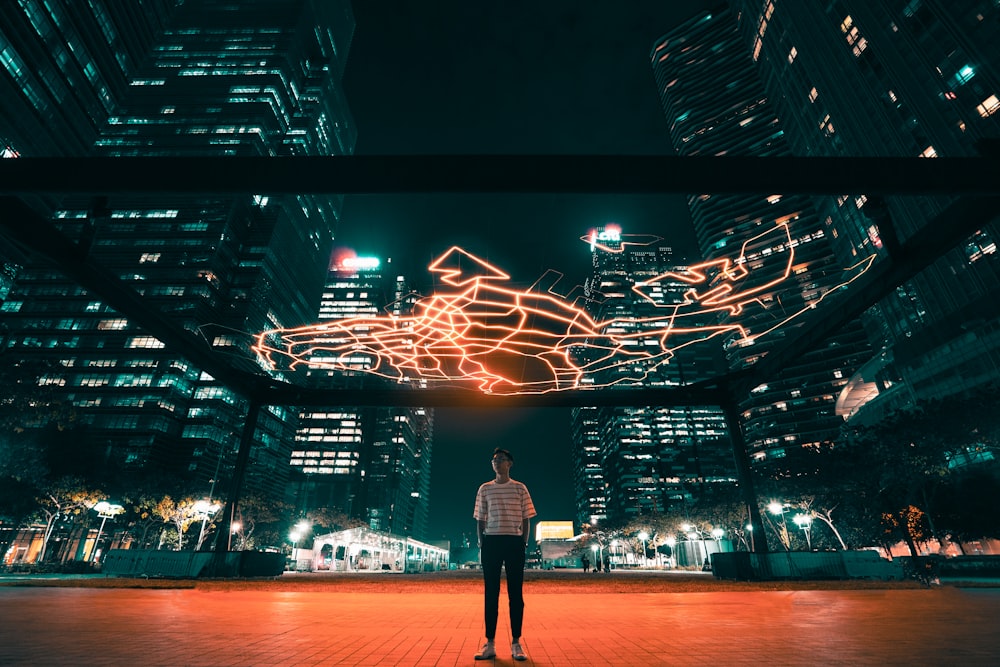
{"x":488,"y":652}
{"x":517,"y":652}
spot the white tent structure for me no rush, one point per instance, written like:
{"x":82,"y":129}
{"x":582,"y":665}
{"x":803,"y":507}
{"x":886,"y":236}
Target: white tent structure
{"x":364,"y":550}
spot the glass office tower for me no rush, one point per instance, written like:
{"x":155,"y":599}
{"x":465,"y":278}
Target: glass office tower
{"x":631,"y":461}
{"x":900,"y":78}
{"x":715,"y":105}
{"x":198,"y":78}
{"x":371,"y":463}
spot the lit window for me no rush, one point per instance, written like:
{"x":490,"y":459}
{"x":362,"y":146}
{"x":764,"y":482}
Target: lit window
{"x":112,"y":325}
{"x":929,"y":152}
{"x":989,"y":106}
{"x":791,"y":55}
{"x":963,"y":75}
{"x":813,"y":94}
{"x":144,"y":342}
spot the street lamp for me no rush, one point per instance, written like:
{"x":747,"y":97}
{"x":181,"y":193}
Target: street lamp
{"x":298,"y":532}
{"x":204,"y":509}
{"x":105,"y":511}
{"x":644,"y":536}
{"x":804,"y":521}
{"x":694,"y":533}
{"x":671,"y":542}
{"x":777,"y":509}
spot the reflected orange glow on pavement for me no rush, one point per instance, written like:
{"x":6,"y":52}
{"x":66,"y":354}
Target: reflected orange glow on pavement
{"x":891,"y":626}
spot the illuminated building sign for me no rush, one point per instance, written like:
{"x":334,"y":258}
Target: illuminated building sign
{"x":361,"y":263}
{"x":554,"y":530}
{"x":479,"y":332}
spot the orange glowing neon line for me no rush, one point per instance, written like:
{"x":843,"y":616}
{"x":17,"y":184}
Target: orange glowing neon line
{"x":510,"y":341}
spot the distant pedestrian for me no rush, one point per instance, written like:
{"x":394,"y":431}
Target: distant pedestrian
{"x":503,"y":514}
{"x":586,"y":564}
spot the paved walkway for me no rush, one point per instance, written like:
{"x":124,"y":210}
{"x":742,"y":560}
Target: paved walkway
{"x":114,"y":627}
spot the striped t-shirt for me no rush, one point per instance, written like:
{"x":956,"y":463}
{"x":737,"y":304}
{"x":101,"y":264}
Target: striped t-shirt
{"x":503,"y":507}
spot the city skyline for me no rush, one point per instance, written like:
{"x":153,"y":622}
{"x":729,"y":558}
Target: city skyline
{"x":491,"y":101}
{"x":524,"y":78}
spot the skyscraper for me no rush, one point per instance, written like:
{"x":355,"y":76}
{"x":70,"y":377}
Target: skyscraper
{"x":372,"y":464}
{"x":901,"y":79}
{"x":630,"y":461}
{"x":715,"y":104}
{"x":198,"y":78}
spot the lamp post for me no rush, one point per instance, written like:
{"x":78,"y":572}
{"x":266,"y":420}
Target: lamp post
{"x":777,"y":509}
{"x":804,"y":521}
{"x":671,"y":542}
{"x":694,"y":533}
{"x":204,"y":509}
{"x":105,"y":511}
{"x":298,"y":532}
{"x":643,"y":536}
{"x":597,"y":560}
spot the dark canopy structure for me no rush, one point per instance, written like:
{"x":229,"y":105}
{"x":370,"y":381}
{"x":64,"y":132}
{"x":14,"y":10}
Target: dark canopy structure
{"x":975,"y":180}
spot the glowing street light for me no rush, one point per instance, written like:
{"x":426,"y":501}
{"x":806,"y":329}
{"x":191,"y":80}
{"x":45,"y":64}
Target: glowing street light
{"x":671,"y":542}
{"x":778,"y":509}
{"x":804,"y":521}
{"x":106,"y":511}
{"x":298,"y":532}
{"x":695,"y":533}
{"x":205,"y":509}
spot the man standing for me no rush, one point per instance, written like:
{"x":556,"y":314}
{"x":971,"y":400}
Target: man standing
{"x":503,"y":512}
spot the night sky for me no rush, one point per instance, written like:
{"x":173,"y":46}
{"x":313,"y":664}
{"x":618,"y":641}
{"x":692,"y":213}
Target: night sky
{"x":457,"y":77}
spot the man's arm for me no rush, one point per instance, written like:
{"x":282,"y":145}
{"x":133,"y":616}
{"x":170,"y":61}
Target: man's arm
{"x":526,"y":530}
{"x":480,"y":529}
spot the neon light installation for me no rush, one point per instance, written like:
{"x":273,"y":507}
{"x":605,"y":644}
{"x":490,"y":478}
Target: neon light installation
{"x":480,"y":332}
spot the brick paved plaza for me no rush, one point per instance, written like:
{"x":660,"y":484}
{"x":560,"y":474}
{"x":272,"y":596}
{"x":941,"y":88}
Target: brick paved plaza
{"x":409,"y":620}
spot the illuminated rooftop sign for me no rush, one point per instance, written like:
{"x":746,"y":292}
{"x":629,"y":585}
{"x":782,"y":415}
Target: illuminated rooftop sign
{"x":479,"y":332}
{"x":361,"y":263}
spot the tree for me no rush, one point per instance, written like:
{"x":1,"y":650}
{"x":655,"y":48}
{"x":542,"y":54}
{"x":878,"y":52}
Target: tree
{"x":332,"y":519}
{"x":66,"y":498}
{"x":180,"y":514}
{"x":262,"y":522}
{"x":968,"y":505}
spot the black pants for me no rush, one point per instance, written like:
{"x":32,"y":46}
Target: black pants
{"x":506,"y":551}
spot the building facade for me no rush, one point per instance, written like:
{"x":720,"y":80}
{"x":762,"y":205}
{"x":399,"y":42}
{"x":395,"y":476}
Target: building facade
{"x":715,"y":104}
{"x":175,"y":79}
{"x":894,"y":78}
{"x":632,"y":461}
{"x":371,"y":463}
